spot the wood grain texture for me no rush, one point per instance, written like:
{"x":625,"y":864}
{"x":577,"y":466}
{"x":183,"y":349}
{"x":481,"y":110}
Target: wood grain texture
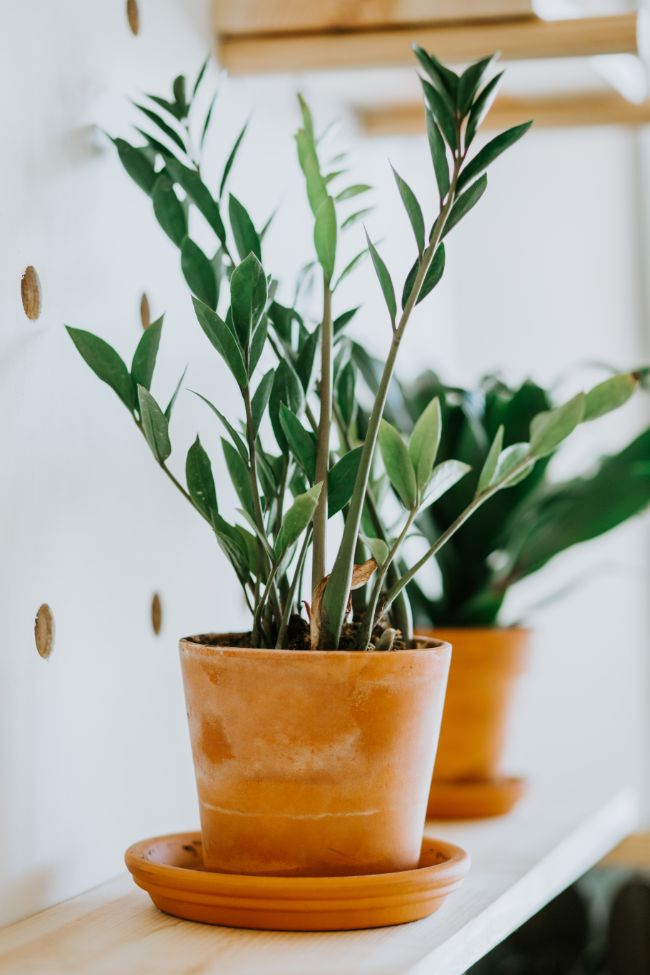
{"x":547,"y":111}
{"x":516,"y":40}
{"x":289,"y":16}
{"x":520,"y":862}
{"x":30,"y":293}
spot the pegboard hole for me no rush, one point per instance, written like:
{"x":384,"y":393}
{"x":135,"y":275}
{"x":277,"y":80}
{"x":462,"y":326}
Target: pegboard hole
{"x":133,"y":16}
{"x":156,"y":613}
{"x":44,"y":631}
{"x":30,"y":293}
{"x":145,"y":311}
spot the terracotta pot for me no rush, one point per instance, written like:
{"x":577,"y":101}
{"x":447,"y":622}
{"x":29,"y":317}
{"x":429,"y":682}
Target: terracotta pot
{"x":482,"y":680}
{"x":313,"y":763}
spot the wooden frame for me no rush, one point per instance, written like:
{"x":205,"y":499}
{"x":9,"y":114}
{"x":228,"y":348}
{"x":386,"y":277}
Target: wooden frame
{"x":516,"y":40}
{"x":547,"y":111}
{"x":297,"y":16}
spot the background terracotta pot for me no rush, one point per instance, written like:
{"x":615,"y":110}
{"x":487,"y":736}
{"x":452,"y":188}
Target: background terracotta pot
{"x":313,"y":763}
{"x":482,"y":680}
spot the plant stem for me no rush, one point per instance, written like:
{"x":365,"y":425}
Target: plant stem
{"x":365,"y":634}
{"x":288,"y":606}
{"x":323,"y":448}
{"x":338,"y":587}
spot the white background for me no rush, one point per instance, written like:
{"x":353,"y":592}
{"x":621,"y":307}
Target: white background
{"x":548,"y":271}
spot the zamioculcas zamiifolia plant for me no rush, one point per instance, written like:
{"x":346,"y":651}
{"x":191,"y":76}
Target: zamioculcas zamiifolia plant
{"x":287,"y":498}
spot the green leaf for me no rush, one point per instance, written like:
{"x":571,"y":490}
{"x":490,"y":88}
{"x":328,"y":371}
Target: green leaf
{"x":260,"y":399}
{"x":258,"y":342}
{"x":247,"y":240}
{"x":230,"y":160}
{"x":398,"y":464}
{"x":445,"y":119}
{"x":350,"y":266}
{"x":469,"y":82}
{"x":178,"y":88}
{"x":169,"y":210}
{"x":325,"y":237}
{"x":464,"y":204}
{"x":296,"y":520}
{"x":208,"y":118}
{"x":308,"y":159}
{"x":431,"y":278}
{"x":222,"y":339}
{"x":144,"y":358}
{"x":490,"y":152}
{"x":550,"y":428}
{"x":234,"y":436}
{"x":412,"y":208}
{"x":378,"y":549}
{"x":200,"y":76}
{"x":170,"y":405}
{"x":355,"y":217}
{"x":239,"y":475}
{"x":609,"y":395}
{"x":438,"y":155}
{"x":424,"y":442}
{"x":442,"y":77}
{"x":200,"y":482}
{"x":384,"y":280}
{"x":154,"y":425}
{"x":171,"y":133}
{"x":351,"y":191}
{"x":345,"y":393}
{"x":302,"y":443}
{"x":199,"y":194}
{"x":342,"y":320}
{"x":488,"y":470}
{"x":105,"y":363}
{"x":286,"y":389}
{"x":340,"y":481}
{"x":198,"y":272}
{"x":247,"y":297}
{"x":509,"y":460}
{"x":136,"y":164}
{"x":444,"y":477}
{"x":306,"y":359}
{"x":481,"y":107}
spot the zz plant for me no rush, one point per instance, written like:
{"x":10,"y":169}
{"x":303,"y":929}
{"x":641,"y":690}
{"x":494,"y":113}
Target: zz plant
{"x":317,"y":467}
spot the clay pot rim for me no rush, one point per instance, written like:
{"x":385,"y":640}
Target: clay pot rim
{"x":425,"y":643}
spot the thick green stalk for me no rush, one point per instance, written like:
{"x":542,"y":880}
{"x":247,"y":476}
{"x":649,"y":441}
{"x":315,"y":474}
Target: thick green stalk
{"x":336,"y":594}
{"x":365,"y":634}
{"x":323,"y":448}
{"x":288,"y":606}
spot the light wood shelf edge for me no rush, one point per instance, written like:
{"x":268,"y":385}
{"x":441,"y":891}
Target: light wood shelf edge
{"x":633,"y":852}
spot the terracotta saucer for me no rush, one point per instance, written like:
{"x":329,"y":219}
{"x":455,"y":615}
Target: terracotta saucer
{"x":474,"y":798}
{"x":170,"y":869}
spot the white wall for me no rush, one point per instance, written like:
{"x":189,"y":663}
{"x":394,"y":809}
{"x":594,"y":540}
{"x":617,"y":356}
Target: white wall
{"x":93,"y":744}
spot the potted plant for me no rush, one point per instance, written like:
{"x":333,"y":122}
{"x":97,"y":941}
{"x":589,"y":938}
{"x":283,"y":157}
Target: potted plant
{"x":313,"y":744}
{"x":513,"y":536}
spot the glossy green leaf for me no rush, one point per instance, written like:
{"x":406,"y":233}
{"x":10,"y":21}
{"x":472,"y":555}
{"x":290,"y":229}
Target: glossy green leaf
{"x":398,"y":464}
{"x":169,"y":210}
{"x":325,"y":237}
{"x":260,"y":399}
{"x":431,"y":278}
{"x":178,"y":88}
{"x":174,"y":396}
{"x":464,"y":204}
{"x":424,"y":442}
{"x":340,"y":481}
{"x":444,"y":477}
{"x":247,"y":297}
{"x":355,"y":217}
{"x":154,"y":425}
{"x":222,"y":339}
{"x":351,"y":191}
{"x":136,"y":164}
{"x":490,"y":152}
{"x":198,"y":272}
{"x":234,"y":436}
{"x":444,"y":118}
{"x":445,"y":81}
{"x":163,"y":126}
{"x":308,"y":159}
{"x":286,"y":389}
{"x":412,"y":208}
{"x":200,"y":481}
{"x":511,"y":460}
{"x":345,"y":393}
{"x":258,"y":343}
{"x":343,"y":319}
{"x":481,"y":107}
{"x":384,"y":279}
{"x":247,"y":240}
{"x":296,"y":520}
{"x":438,"y":155}
{"x":208,"y":118}
{"x":105,"y":363}
{"x":549,"y":429}
{"x":351,"y":266}
{"x":144,"y":358}
{"x":469,"y":82}
{"x":489,"y":468}
{"x":377,"y":547}
{"x":199,"y":194}
{"x":302,"y":442}
{"x":306,"y":359}
{"x":200,"y":76}
{"x":239,"y":475}
{"x":231,"y":158}
{"x":609,"y":395}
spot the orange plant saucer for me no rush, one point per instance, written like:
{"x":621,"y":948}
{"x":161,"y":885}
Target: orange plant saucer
{"x":170,"y":869}
{"x":473,"y":798}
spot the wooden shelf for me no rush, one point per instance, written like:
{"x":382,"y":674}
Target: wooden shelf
{"x":520,"y":862}
{"x":516,"y":39}
{"x":547,"y":111}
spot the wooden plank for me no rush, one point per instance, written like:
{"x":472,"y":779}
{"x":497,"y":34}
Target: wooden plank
{"x":547,"y":111}
{"x":633,"y":852}
{"x":290,"y":16}
{"x":520,"y":862}
{"x":516,"y":40}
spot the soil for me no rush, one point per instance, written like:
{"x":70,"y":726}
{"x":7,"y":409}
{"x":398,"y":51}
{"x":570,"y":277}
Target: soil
{"x":298,"y":637}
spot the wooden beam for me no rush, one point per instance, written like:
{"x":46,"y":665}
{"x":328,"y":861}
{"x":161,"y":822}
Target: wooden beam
{"x":516,"y":40}
{"x":547,"y":111}
{"x":291,"y":16}
{"x":633,"y":852}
